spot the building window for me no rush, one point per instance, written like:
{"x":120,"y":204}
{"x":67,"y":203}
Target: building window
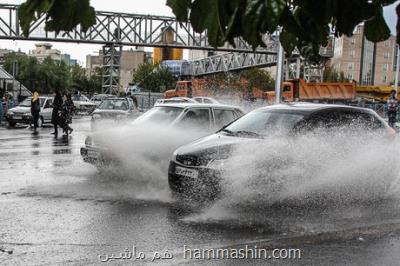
{"x":352,"y":53}
{"x":387,"y":43}
{"x":385,"y":67}
{"x":386,"y":55}
{"x":384,"y":80}
{"x":353,"y":41}
{"x":350,"y":66}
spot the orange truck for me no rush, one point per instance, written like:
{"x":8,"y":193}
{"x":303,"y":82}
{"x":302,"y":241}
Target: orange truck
{"x":299,"y":90}
{"x":186,"y":88}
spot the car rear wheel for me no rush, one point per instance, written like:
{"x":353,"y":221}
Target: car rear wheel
{"x":12,"y":124}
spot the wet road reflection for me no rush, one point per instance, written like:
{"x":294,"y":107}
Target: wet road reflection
{"x":56,"y":208}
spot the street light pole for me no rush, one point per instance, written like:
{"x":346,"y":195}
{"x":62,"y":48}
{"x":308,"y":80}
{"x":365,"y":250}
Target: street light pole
{"x":279,"y":73}
{"x":396,"y":79}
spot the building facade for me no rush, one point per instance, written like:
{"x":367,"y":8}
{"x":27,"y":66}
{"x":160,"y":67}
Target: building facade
{"x":130,"y":61}
{"x":366,"y":62}
{"x":44,"y":50}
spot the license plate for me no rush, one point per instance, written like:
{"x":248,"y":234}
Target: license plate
{"x":186,"y":172}
{"x":92,"y":153}
{"x":17,"y":117}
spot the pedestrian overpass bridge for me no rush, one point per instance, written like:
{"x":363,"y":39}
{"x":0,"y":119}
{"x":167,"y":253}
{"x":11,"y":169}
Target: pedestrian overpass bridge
{"x":114,"y":30}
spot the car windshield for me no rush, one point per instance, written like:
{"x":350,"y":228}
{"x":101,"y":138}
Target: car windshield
{"x":160,"y":114}
{"x":264,"y":123}
{"x":27,"y":102}
{"x":114,"y":104}
{"x":81,"y":97}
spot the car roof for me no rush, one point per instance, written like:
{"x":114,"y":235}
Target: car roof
{"x":116,"y":98}
{"x":193,"y":105}
{"x":309,"y":108}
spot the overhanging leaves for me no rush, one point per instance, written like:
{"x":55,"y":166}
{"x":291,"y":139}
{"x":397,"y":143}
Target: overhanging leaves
{"x":62,"y":15}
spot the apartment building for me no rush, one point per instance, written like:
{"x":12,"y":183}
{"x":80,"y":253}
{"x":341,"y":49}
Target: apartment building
{"x":366,"y":62}
{"x":130,"y":61}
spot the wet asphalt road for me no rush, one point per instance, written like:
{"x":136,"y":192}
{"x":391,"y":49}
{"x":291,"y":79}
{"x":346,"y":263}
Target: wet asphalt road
{"x":57,"y":210}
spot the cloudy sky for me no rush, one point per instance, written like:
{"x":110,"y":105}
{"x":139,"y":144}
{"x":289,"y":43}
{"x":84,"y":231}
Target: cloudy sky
{"x":154,"y":7}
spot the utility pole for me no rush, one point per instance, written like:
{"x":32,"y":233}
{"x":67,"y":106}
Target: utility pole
{"x":279,"y":73}
{"x":396,"y":79}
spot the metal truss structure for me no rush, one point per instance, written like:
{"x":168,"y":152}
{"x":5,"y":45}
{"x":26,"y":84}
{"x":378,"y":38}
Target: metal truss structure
{"x":111,"y":68}
{"x":114,"y":30}
{"x":132,"y":29}
{"x":231,"y":62}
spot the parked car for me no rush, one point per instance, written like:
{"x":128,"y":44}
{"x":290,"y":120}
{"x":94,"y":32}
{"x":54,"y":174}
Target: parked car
{"x":203,"y":118}
{"x":197,"y":168}
{"x":22,"y":113}
{"x":133,"y":89}
{"x":205,"y":100}
{"x":98,"y":98}
{"x":113,"y":110}
{"x":174,"y":100}
{"x":83,"y":104}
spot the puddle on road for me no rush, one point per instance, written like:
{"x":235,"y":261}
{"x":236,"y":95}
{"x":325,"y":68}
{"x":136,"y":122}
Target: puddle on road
{"x":322,"y":185}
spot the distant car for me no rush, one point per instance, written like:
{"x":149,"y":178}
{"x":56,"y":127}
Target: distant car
{"x":98,"y":98}
{"x":204,"y":118}
{"x":22,"y":113}
{"x":196,"y":168}
{"x":133,"y":89}
{"x":83,"y":104}
{"x":174,"y":100}
{"x":114,"y":110}
{"x":205,"y":100}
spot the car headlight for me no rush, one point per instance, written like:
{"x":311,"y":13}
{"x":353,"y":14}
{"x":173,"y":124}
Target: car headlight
{"x":217,"y":163}
{"x":10,"y":113}
{"x":89,"y":141}
{"x":173,"y":158}
{"x":96,"y":116}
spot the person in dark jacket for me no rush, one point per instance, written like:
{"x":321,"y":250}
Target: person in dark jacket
{"x":35,"y":110}
{"x":57,"y":106}
{"x":66,"y":114}
{"x":392,"y":105}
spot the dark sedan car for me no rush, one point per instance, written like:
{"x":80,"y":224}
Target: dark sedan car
{"x":196,"y":168}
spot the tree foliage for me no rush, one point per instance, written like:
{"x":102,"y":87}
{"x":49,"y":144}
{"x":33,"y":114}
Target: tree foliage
{"x":153,"y":77}
{"x":61,"y":15}
{"x":259,"y":78}
{"x":332,"y":75}
{"x":305,"y":24}
{"x":51,"y":74}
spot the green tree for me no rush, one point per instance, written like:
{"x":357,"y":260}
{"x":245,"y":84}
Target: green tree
{"x":82,"y":82}
{"x":153,"y":77}
{"x":52,"y":74}
{"x":304,"y":24}
{"x":259,"y":78}
{"x":332,"y":75}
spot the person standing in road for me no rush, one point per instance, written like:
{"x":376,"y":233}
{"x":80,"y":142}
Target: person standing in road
{"x":66,"y":114}
{"x":35,"y":110}
{"x":1,"y":109}
{"x":57,"y":106}
{"x":392,"y":105}
{"x":133,"y":97}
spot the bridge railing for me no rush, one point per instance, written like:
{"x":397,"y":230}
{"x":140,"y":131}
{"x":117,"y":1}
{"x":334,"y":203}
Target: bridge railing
{"x":122,"y":28}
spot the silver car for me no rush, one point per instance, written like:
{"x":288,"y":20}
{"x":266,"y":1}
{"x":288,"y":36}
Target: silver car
{"x":203,"y":118}
{"x":22,"y":113}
